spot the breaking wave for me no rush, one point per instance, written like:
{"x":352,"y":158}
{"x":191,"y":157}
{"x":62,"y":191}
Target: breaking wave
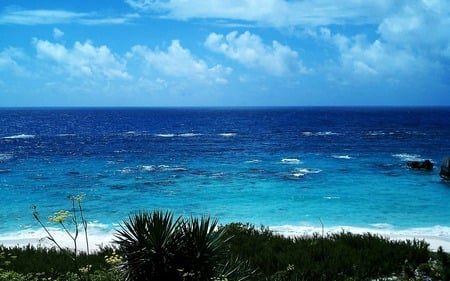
{"x":408,"y":157}
{"x":20,"y":136}
{"x":290,"y":161}
{"x":341,"y":157}
{"x":227,"y":134}
{"x":325,"y":133}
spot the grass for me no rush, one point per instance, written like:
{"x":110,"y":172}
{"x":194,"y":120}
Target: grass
{"x":341,"y":256}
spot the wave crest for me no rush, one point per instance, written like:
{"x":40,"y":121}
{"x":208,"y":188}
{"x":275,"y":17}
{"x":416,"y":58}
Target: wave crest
{"x":319,"y":134}
{"x":290,"y":161}
{"x":20,"y":136}
{"x":408,"y":157}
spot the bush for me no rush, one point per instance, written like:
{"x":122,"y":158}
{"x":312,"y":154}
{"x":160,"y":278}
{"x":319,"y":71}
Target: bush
{"x":38,"y":263}
{"x":331,"y":257}
{"x":157,"y":247}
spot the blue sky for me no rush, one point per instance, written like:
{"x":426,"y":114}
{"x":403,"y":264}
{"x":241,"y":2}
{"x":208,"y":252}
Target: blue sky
{"x":224,"y":52}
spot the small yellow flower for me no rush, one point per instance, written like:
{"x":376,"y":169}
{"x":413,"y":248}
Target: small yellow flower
{"x":114,"y":259}
{"x":78,"y":198}
{"x":86,"y":269}
{"x":60,"y":216}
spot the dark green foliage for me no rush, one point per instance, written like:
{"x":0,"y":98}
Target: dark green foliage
{"x":202,"y":248}
{"x":150,"y":244}
{"x":154,"y":246}
{"x":204,"y":251}
{"x":42,"y":262}
{"x":332,"y":257}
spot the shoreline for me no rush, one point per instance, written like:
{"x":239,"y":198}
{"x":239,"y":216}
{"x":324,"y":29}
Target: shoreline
{"x":102,"y":235}
{"x":436,"y":236}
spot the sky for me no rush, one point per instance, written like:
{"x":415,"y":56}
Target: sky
{"x":224,"y":53}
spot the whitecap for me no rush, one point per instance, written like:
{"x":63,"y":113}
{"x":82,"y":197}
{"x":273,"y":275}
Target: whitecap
{"x":254,"y":161}
{"x":327,"y":133}
{"x":187,"y":135}
{"x":297,"y":175}
{"x":321,"y":133}
{"x":165,"y":135}
{"x":148,"y":168}
{"x":290,"y":161}
{"x":176,"y":169}
{"x":306,"y":171}
{"x":152,"y":168}
{"x":341,"y":156}
{"x":302,"y":172}
{"x":21,"y":136}
{"x":227,"y":134}
{"x":376,"y":133}
{"x":408,"y":157}
{"x":331,"y":197}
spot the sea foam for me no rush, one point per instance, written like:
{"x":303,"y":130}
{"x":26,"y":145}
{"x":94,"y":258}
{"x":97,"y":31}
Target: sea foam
{"x":341,"y":157}
{"x":227,"y":134}
{"x":21,"y":136}
{"x":290,"y":161}
{"x":408,"y":157}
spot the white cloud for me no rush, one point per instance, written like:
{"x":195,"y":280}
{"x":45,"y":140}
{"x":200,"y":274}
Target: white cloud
{"x":43,"y":16}
{"x":249,"y":50}
{"x":271,"y":12}
{"x":57,"y":33}
{"x":358,"y":57}
{"x":422,"y":26}
{"x":82,"y":60}
{"x":10,"y":61}
{"x":36,"y":17}
{"x":412,"y":43}
{"x":179,"y":62}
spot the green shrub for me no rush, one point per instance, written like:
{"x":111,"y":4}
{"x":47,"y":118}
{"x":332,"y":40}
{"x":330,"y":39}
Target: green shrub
{"x":51,"y":262}
{"x":331,"y":257}
{"x":154,"y":246}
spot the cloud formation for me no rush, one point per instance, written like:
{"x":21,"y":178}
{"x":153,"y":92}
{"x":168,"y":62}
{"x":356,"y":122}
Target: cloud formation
{"x":83,"y":60}
{"x":280,"y":13}
{"x":47,"y":16}
{"x":249,"y":50}
{"x":11,"y":60}
{"x":413,"y":42}
{"x":261,"y":48}
{"x":177,"y":61}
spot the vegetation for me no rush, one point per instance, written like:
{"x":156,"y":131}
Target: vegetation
{"x":270,"y":257}
{"x":340,"y":256}
{"x":156,"y":246}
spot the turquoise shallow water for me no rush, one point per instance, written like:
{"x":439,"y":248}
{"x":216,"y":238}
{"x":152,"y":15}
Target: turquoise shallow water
{"x":296,"y":167}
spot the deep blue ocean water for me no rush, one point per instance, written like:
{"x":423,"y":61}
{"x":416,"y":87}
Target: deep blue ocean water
{"x":300,"y":167}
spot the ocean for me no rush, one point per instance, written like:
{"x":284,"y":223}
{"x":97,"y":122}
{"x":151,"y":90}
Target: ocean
{"x":293,"y":169}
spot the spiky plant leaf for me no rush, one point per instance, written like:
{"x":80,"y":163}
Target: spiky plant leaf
{"x":150,"y":242}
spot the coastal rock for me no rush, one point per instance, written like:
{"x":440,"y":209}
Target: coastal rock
{"x":445,"y":169}
{"x":422,"y":165}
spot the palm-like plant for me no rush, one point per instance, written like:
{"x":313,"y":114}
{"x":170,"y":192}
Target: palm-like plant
{"x":150,"y":242}
{"x":157,"y":247}
{"x":204,"y":248}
